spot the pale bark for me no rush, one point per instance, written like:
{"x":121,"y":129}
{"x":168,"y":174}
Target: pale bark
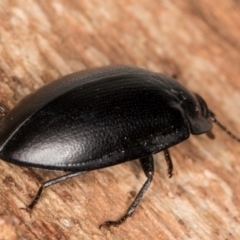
{"x":199,"y":41}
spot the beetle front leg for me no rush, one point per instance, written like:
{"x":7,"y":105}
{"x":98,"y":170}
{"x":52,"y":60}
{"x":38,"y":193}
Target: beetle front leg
{"x":148,"y":168}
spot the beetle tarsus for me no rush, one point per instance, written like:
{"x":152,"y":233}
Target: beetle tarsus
{"x":28,"y":210}
{"x":35,"y":200}
{"x":169,"y":163}
{"x":109,"y":224}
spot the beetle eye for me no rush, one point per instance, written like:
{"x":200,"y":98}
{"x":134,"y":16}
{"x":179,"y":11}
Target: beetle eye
{"x":203,"y":106}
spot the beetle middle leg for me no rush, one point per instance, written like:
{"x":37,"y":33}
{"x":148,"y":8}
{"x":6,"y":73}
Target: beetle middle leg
{"x":50,"y":183}
{"x":148,"y":168}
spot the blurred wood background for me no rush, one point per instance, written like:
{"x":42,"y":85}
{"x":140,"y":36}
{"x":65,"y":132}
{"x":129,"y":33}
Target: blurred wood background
{"x":199,"y":41}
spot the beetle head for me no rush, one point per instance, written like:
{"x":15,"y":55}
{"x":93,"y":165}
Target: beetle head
{"x":193,"y":106}
{"x":196,"y":110}
{"x":210,"y":115}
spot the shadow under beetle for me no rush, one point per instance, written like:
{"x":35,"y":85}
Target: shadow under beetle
{"x":99,"y":118}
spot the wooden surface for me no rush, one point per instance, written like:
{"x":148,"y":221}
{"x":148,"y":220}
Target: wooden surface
{"x":199,"y":41}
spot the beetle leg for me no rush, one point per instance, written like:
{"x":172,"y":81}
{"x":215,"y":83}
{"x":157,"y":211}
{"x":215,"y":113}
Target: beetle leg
{"x":210,"y":134}
{"x":50,"y":183}
{"x":148,"y":168}
{"x":169,"y":162}
{"x":3,"y":112}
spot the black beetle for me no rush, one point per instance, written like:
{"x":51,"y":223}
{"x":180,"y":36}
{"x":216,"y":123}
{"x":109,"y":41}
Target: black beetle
{"x":99,"y":118}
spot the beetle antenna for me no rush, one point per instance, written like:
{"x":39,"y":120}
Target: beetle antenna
{"x":213,"y":119}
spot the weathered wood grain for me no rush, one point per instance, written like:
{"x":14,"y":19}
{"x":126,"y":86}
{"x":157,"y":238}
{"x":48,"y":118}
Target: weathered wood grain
{"x":199,"y":41}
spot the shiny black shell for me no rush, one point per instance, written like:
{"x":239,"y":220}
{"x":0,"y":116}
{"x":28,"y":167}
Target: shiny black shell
{"x":98,"y":118}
